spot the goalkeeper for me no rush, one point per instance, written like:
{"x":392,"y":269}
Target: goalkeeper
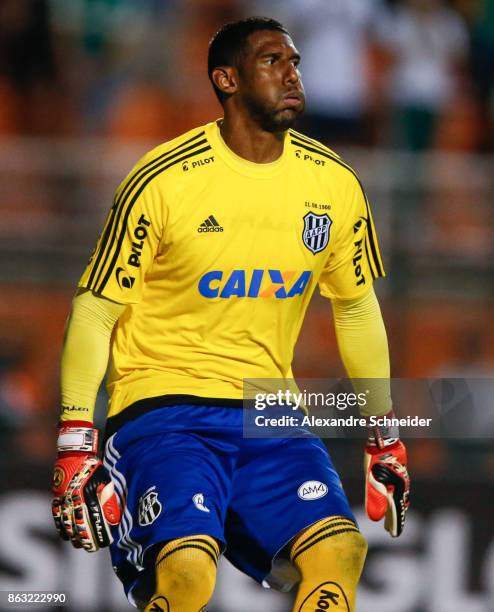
{"x":201,"y":278}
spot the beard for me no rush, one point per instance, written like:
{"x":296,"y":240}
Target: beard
{"x":270,"y":118}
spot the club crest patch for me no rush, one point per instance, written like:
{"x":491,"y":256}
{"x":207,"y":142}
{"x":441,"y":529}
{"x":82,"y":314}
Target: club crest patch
{"x":316,"y":231}
{"x":149,"y":507}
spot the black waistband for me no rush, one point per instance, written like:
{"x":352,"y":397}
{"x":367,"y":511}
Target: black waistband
{"x":143,"y":406}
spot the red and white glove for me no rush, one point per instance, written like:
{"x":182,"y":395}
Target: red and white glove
{"x":387,"y":486}
{"x":84,"y":503}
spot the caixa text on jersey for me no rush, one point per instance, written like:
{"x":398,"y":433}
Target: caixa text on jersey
{"x":254,"y":283}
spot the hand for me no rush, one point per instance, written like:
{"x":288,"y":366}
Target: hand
{"x":84,"y":503}
{"x":387,"y":487}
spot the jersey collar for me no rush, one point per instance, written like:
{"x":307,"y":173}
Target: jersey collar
{"x":239,"y":164}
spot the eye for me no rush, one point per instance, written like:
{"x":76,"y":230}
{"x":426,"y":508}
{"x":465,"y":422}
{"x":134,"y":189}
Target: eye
{"x":272,"y":58}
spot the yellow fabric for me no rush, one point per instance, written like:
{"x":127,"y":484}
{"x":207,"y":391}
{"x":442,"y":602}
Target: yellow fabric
{"x":330,"y":556}
{"x":207,"y":250}
{"x":185,"y":575}
{"x":363,"y":347}
{"x":85,"y":353}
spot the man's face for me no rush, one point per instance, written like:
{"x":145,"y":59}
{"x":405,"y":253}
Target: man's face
{"x":269,"y":80}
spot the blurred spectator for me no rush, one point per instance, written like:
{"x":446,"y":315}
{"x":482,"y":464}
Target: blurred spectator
{"x":17,"y":389}
{"x":466,"y":403}
{"x":427,"y":44}
{"x":155,"y":101}
{"x":199,"y":20}
{"x":141,"y":111}
{"x":471,"y":371}
{"x":480,"y":15}
{"x":29,"y":86}
{"x":334,"y":39}
{"x":107,"y":49}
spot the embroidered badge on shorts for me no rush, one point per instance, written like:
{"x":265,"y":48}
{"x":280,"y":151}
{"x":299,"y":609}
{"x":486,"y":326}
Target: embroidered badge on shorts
{"x":149,"y":507}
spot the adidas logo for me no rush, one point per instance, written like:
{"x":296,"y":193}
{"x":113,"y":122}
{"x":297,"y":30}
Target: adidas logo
{"x":210,"y":225}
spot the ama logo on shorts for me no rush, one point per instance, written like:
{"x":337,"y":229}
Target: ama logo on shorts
{"x":253,"y":284}
{"x":312,"y":489}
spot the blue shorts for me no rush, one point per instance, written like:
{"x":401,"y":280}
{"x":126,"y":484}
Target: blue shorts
{"x":187,"y":470}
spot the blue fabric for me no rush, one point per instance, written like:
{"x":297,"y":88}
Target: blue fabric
{"x":248,"y":488}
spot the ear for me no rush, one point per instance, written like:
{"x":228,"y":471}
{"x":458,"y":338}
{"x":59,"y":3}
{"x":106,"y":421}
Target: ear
{"x":226,"y":79}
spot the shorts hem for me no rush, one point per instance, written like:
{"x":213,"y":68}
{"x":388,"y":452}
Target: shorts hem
{"x":142,"y":575}
{"x":284,"y":575}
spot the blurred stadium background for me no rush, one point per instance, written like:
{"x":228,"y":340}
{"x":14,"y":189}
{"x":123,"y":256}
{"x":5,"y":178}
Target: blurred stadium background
{"x":404,"y":90}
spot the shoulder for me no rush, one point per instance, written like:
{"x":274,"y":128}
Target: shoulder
{"x":298,"y":139}
{"x":176,"y":150}
{"x":159,"y":163}
{"x":311,"y":150}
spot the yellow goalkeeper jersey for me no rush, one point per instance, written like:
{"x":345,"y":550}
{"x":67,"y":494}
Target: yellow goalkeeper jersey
{"x":217,"y":259}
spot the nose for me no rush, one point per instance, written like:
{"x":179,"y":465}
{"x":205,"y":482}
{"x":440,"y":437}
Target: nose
{"x":292,"y":75}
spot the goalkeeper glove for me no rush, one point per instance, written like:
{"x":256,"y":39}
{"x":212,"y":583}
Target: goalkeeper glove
{"x":84,"y":503}
{"x":387,"y":487}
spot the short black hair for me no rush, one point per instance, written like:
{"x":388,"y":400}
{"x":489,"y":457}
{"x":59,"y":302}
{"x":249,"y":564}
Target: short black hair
{"x":229,"y":42}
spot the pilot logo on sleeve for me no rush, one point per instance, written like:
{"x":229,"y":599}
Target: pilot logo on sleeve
{"x":124,"y":282}
{"x":316,"y":231}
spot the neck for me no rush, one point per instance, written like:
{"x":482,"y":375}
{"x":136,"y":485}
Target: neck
{"x":248,"y":140}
